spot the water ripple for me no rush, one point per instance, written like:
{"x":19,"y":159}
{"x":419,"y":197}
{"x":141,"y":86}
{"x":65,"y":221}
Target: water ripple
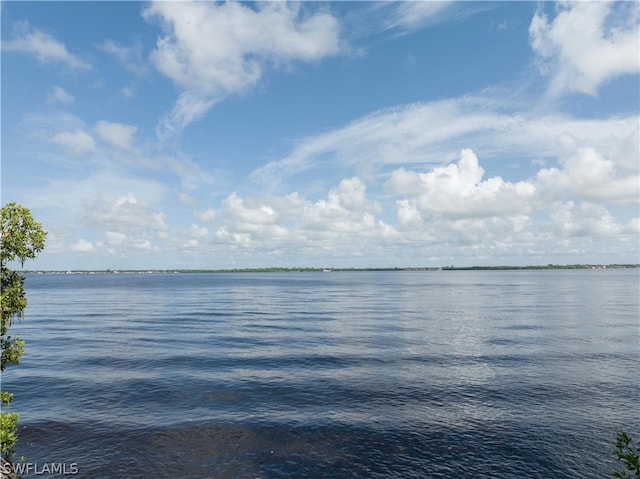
{"x":381,"y":375}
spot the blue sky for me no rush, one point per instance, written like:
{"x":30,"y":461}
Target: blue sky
{"x":338,"y":134}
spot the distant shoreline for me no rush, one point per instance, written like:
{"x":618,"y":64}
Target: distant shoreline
{"x":337,"y":270}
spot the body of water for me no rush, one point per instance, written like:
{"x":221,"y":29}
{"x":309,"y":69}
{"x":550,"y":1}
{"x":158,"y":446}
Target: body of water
{"x":451,"y":374}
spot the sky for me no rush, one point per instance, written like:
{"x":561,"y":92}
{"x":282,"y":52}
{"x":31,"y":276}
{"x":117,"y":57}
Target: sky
{"x":323,"y":134}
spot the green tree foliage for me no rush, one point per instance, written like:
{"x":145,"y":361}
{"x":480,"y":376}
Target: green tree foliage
{"x":629,"y":453}
{"x":22,"y":239}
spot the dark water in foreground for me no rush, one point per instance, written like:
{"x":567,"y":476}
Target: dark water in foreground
{"x":512,"y":374}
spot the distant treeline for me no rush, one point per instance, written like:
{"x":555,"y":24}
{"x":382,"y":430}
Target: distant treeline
{"x":328,"y":270}
{"x":548,"y":266}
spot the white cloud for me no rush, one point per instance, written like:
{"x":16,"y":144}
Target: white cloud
{"x":117,"y":134}
{"x":207,"y":215}
{"x":122,"y":245}
{"x":44,"y":47}
{"x":83,"y":246}
{"x":115,"y":238}
{"x":212,"y":50}
{"x":59,"y":95}
{"x":198,"y":232}
{"x":293,"y":223}
{"x":143,"y":245}
{"x":349,"y":194}
{"x":328,"y":220}
{"x":454,"y":202}
{"x":246,"y":224}
{"x":218,"y":48}
{"x":586,"y":174}
{"x":587,"y":44}
{"x":124,"y":213}
{"x":77,"y":142}
{"x":589,"y":220}
{"x":457,"y":191}
{"x":194,"y":239}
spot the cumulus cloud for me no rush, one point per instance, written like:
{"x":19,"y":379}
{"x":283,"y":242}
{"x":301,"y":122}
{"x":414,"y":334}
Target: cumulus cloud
{"x":212,"y":50}
{"x":260,"y":215}
{"x":294,"y":223}
{"x":346,"y":211}
{"x":458,"y":191}
{"x":440,"y":210}
{"x":455,"y":207}
{"x":249,"y":222}
{"x":587,"y":174}
{"x":116,"y":244}
{"x":44,"y":47}
{"x":587,"y":44}
{"x":117,"y":134}
{"x":77,"y":142}
{"x":350,"y":194}
{"x":589,"y":220}
{"x":59,"y":95}
{"x":194,"y":239}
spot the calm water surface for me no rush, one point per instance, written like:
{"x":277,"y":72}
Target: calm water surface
{"x":483,"y":374}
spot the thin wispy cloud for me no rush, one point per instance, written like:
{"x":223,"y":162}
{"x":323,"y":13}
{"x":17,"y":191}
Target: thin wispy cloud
{"x":413,"y":15}
{"x":131,"y":57}
{"x":60,"y":96}
{"x":43,"y":46}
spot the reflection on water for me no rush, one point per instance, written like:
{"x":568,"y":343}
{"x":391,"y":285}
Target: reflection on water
{"x":397,"y":374}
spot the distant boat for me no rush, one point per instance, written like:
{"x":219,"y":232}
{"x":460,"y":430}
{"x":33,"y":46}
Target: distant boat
{"x":326,"y":271}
